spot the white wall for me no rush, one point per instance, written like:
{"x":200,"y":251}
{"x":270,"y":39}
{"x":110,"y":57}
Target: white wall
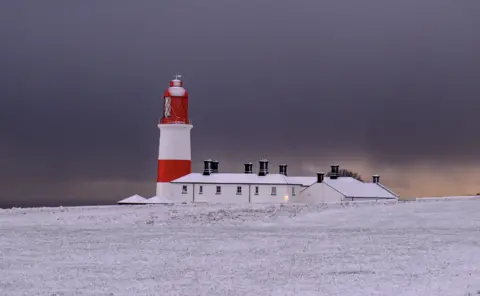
{"x":265,"y":194}
{"x":177,"y":194}
{"x":295,"y":194}
{"x":229,"y":193}
{"x":315,"y":194}
{"x":424,"y":199}
{"x":319,"y":193}
{"x":173,"y":192}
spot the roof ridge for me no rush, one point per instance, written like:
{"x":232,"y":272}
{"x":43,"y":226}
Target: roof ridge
{"x":236,"y":178}
{"x":285,"y":179}
{"x":342,"y":193}
{"x":302,"y":183}
{"x":133,"y":198}
{"x":387,"y":189}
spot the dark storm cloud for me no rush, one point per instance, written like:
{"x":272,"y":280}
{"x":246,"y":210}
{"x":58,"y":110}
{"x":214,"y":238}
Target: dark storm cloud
{"x":81,"y":82}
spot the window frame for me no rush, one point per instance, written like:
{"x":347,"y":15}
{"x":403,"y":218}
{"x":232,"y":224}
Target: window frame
{"x":274,"y":190}
{"x":168,"y":107}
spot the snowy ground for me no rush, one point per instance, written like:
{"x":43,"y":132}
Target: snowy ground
{"x":403,"y":249}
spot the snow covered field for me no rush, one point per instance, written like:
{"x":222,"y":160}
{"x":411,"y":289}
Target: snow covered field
{"x":423,"y":249}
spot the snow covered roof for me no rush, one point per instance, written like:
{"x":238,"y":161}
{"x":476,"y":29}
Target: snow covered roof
{"x":304,"y":181}
{"x":236,"y":178}
{"x":158,"y":200}
{"x":134,"y":199}
{"x":351,"y":187}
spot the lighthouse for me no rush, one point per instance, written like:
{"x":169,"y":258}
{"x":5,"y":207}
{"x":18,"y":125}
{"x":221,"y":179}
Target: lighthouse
{"x":174,"y":153}
{"x":176,"y":183}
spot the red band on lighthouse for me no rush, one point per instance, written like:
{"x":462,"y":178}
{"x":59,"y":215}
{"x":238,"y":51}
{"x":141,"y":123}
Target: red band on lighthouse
{"x":171,"y":169}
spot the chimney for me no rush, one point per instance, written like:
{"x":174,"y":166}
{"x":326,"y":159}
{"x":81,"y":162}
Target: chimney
{"x":376,"y":178}
{"x":334,"y":172}
{"x":207,"y":167}
{"x":320,"y":177}
{"x":263,"y":169}
{"x":214,"y":166}
{"x":248,"y":168}
{"x":283,"y":169}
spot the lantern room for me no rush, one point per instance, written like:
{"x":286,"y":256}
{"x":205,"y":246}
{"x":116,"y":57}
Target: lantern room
{"x":175,"y":103}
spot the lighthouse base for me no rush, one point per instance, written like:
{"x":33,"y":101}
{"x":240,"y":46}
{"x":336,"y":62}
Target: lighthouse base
{"x":174,"y":160}
{"x":172,"y":192}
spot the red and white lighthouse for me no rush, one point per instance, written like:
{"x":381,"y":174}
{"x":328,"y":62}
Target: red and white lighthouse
{"x":174,"y":153}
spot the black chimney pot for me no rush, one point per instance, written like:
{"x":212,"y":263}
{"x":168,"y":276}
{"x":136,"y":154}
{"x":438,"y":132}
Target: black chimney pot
{"x":207,"y":167}
{"x":283,"y":169}
{"x":320,"y":177}
{"x":248,"y":168}
{"x":334,"y":172}
{"x":263,"y":169}
{"x":376,"y":178}
{"x":214,"y":166}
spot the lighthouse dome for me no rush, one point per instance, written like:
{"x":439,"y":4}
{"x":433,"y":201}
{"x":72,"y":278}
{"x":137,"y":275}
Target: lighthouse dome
{"x":176,"y":91}
{"x":176,"y":88}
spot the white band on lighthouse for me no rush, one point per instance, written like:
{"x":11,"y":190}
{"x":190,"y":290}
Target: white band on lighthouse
{"x":175,"y":141}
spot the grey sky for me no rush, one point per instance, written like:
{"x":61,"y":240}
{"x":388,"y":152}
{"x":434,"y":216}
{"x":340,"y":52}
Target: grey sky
{"x":393,"y":82}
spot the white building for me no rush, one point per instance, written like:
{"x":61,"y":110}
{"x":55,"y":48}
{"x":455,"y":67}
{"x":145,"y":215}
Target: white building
{"x":263,"y":187}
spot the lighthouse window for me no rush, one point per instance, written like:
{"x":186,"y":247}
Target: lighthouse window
{"x":219,"y":190}
{"x":256,"y":190}
{"x":168,"y":106}
{"x":200,"y":189}
{"x":239,"y":190}
{"x":274,"y":190}
{"x":184,"y":189}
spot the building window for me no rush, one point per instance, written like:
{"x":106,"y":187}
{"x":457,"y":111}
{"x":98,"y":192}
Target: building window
{"x":184,"y":189}
{"x":219,"y":190}
{"x":200,"y":189}
{"x":274,"y":190}
{"x":293,"y":191}
{"x":256,"y":190}
{"x":239,"y":190}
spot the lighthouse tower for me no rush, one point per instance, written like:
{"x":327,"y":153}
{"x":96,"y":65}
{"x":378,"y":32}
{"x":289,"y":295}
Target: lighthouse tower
{"x":174,"y":153}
